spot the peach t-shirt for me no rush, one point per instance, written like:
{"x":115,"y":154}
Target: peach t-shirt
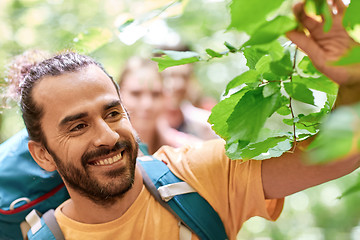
{"x":233,"y":188}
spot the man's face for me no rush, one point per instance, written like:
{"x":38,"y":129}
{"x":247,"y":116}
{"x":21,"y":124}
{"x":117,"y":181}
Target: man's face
{"x":87,"y":133}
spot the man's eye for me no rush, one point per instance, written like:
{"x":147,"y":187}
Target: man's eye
{"x":78,"y":127}
{"x":113,"y":114}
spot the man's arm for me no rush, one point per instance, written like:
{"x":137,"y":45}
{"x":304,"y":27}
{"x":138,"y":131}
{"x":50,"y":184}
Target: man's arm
{"x":288,"y":174}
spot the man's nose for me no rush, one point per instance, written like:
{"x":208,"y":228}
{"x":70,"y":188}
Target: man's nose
{"x":105,"y":135}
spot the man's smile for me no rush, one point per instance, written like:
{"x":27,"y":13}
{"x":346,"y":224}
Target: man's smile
{"x":108,"y":160}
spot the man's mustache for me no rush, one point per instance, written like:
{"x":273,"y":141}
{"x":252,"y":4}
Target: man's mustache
{"x":103,"y":151}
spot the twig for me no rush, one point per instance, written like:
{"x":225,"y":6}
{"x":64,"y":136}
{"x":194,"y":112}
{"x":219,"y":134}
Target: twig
{"x":290,"y":100}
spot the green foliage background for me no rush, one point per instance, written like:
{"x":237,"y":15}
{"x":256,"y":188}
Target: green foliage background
{"x":244,"y":55}
{"x":278,"y":78}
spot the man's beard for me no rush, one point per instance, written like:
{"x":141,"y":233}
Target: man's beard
{"x":120,"y":180}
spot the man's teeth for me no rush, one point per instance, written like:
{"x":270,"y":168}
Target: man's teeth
{"x":108,"y":161}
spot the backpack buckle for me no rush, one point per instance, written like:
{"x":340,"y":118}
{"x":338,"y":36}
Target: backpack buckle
{"x":12,"y":205}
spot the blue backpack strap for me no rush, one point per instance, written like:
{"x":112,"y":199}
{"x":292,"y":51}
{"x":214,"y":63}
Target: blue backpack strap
{"x":192,"y":209}
{"x":44,"y":226}
{"x":144,"y":148}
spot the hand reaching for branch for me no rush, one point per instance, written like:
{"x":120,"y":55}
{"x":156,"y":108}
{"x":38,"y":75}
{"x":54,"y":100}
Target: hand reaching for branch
{"x":325,"y":47}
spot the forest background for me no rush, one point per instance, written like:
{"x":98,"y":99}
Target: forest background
{"x":113,"y":30}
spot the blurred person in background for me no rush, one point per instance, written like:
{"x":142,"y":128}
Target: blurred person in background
{"x":180,"y":94}
{"x":141,"y":89}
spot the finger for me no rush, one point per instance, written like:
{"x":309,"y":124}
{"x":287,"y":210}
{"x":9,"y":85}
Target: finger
{"x":315,"y":53}
{"x":309,"y":46}
{"x":303,"y":18}
{"x":340,"y":6}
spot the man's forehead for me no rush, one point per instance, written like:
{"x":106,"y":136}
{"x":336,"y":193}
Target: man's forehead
{"x":78,"y":80}
{"x":75,"y":89}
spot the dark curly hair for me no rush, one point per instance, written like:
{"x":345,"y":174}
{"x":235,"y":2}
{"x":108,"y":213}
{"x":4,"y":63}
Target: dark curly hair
{"x":31,"y":75}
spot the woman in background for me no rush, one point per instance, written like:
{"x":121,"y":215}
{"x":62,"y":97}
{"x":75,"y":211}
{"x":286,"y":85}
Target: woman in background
{"x":141,"y":90}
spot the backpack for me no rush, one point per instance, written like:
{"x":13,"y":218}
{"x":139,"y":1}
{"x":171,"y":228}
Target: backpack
{"x":24,"y":186}
{"x":28,"y":187}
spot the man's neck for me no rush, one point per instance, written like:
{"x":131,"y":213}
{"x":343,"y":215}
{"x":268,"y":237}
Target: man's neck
{"x":83,"y":210}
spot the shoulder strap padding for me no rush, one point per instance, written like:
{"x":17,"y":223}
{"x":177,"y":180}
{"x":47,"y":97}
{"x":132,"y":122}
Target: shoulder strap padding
{"x":44,"y":226}
{"x":50,"y":221}
{"x":171,"y":190}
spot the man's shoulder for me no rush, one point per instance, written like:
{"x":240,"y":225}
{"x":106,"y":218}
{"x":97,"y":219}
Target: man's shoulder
{"x":195,"y":158}
{"x":203,"y":147}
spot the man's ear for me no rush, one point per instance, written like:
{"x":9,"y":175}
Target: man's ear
{"x":41,"y":156}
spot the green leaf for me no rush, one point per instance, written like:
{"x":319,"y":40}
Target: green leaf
{"x":271,"y":88}
{"x":336,"y":135}
{"x":263,"y":65}
{"x":271,"y":77}
{"x":233,"y":149}
{"x":290,"y":121}
{"x":330,"y":146}
{"x":250,"y":114}
{"x":231,"y":48}
{"x":177,"y":55}
{"x":300,"y":92}
{"x":248,"y":15}
{"x":125,"y":24}
{"x":222,"y":111}
{"x":166,"y":61}
{"x":322,"y":9}
{"x":255,"y":149}
{"x":313,"y":118}
{"x":276,"y":151}
{"x":351,"y":57}
{"x":352,"y":16}
{"x":353,"y":189}
{"x":282,"y":67}
{"x":174,"y":58}
{"x":321,"y":83}
{"x":252,"y":56}
{"x":213,"y":53}
{"x":270,"y":147}
{"x":326,"y":13}
{"x":275,"y":49}
{"x":246,"y":77}
{"x":91,"y":40}
{"x":311,"y":122}
{"x":284,"y":111}
{"x":271,"y":30}
{"x":307,"y":67}
{"x":254,"y":53}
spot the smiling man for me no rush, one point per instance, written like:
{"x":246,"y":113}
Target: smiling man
{"x":89,"y":133}
{"x":78,"y":126}
{"x":87,"y":136}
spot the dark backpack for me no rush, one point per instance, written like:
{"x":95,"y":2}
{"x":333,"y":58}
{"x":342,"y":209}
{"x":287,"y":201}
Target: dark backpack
{"x":26,"y":187}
